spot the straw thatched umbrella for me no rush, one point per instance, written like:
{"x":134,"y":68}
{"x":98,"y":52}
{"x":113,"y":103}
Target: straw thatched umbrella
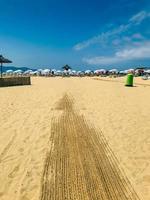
{"x":3,"y":60}
{"x":66,"y":67}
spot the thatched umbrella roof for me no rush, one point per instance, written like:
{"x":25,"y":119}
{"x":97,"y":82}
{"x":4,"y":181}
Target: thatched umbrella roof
{"x":66,"y":67}
{"x":3,"y":60}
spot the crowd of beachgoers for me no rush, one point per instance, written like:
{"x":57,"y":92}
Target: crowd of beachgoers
{"x":98,"y":72}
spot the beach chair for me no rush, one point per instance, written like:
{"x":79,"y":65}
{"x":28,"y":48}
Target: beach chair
{"x":145,"y":77}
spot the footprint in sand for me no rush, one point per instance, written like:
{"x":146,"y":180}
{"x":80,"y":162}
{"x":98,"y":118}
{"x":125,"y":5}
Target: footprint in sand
{"x":21,"y":150}
{"x":1,"y":194}
{"x":24,"y":198}
{"x":14,"y":171}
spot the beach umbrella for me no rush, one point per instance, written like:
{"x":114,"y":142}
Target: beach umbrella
{"x":147,"y":71}
{"x":19,"y":71}
{"x":9,"y":71}
{"x":73,"y":72}
{"x":102,"y":70}
{"x":113,"y":70}
{"x":99,"y":71}
{"x":123,"y":72}
{"x":3,"y":60}
{"x":28,"y":71}
{"x":40,"y":70}
{"x":130,"y":70}
{"x":66,"y":67}
{"x":46,"y":72}
{"x":66,"y":72}
{"x":31,"y":72}
{"x":88,"y":71}
{"x":34,"y":73}
{"x":79,"y":72}
{"x":54,"y":70}
{"x":59,"y":71}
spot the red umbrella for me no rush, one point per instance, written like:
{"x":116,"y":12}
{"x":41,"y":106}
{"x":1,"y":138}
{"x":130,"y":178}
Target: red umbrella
{"x":3,"y":60}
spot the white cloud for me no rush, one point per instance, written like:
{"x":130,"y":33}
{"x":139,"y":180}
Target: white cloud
{"x":103,"y":37}
{"x":101,"y":60}
{"x":133,"y":40}
{"x":86,"y":43}
{"x":140,"y":52}
{"x":139,"y":17}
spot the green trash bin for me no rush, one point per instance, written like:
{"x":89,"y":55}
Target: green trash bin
{"x":129,"y":81}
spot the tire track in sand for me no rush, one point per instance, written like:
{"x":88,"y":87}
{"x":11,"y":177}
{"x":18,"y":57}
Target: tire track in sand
{"x":80,"y":164}
{"x":7,"y":148}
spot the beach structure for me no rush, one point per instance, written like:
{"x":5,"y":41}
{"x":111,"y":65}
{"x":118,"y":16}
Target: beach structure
{"x":28,"y":72}
{"x":147,"y":71}
{"x":80,"y":73}
{"x":9,"y":72}
{"x":113,"y":71}
{"x":66,"y":67}
{"x":146,"y":77}
{"x":58,"y":73}
{"x":34,"y":73}
{"x":31,"y":73}
{"x":88,"y":72}
{"x":66,"y":70}
{"x":97,"y":72}
{"x":73,"y":73}
{"x":12,"y":81}
{"x":66,"y":73}
{"x":140,"y":71}
{"x":122,"y":73}
{"x":53,"y":72}
{"x":45,"y":72}
{"x":146,"y":74}
{"x":130,"y":71}
{"x":40,"y":71}
{"x":100,"y":72}
{"x":2,"y":61}
{"x":18,"y":72}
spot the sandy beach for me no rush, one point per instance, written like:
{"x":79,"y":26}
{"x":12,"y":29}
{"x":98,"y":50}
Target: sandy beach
{"x":75,"y":138}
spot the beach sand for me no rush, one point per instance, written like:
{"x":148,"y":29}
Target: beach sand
{"x":54,"y":135}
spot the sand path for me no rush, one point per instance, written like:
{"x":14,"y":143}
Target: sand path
{"x":80,"y":165}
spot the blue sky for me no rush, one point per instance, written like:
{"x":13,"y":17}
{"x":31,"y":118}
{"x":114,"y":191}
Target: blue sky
{"x":88,"y":34}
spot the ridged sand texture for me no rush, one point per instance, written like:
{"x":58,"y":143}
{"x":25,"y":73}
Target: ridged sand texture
{"x":80,"y":164}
